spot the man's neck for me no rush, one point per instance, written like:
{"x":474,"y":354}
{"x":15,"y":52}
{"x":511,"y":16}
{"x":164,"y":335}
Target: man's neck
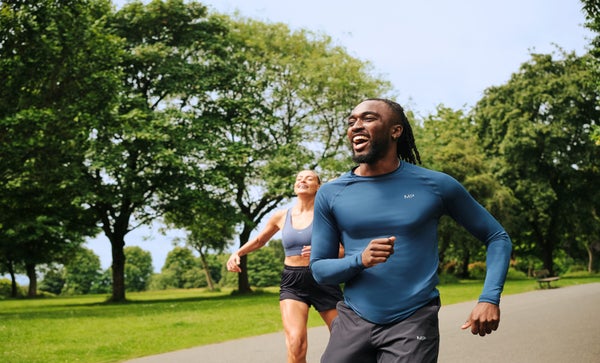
{"x":384,"y":166}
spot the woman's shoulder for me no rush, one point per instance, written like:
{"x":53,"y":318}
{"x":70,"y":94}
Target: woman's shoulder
{"x":278,"y":217}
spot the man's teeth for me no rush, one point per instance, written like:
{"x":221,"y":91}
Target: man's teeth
{"x":359,"y":139}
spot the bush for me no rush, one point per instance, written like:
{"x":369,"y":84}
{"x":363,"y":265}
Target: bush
{"x":450,"y":267}
{"x":163,"y":281}
{"x":54,"y":280}
{"x":228,"y":279}
{"x":580,"y":274}
{"x":576,"y":269}
{"x":477,"y":270}
{"x":448,"y":278}
{"x":5,"y":288}
{"x":514,"y":274}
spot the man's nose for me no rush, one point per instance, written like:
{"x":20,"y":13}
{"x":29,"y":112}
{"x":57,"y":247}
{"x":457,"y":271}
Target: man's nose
{"x":358,"y":124}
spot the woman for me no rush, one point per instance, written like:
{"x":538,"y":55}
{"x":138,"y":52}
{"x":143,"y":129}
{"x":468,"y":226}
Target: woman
{"x":298,"y":289}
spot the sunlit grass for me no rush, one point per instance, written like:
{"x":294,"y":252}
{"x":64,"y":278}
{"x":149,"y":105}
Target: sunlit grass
{"x":86,"y":329}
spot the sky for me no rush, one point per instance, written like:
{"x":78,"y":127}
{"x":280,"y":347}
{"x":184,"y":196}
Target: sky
{"x":432,"y":51}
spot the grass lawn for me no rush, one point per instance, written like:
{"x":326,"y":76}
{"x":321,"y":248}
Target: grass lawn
{"x":85,"y":329}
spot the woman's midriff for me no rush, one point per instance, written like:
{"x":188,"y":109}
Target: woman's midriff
{"x":297,"y":260}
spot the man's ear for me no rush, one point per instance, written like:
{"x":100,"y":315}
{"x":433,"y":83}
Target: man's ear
{"x":397,"y":131}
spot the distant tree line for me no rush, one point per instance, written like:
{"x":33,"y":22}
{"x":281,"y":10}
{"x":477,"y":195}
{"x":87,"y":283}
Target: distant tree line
{"x":112,"y":119}
{"x":182,"y":269}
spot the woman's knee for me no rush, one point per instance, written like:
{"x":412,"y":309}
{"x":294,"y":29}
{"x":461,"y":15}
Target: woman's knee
{"x":296,"y":341}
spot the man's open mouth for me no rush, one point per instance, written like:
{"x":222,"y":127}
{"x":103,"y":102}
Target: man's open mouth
{"x":359,"y":142}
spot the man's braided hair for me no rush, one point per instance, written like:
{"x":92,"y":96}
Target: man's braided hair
{"x":407,"y":149}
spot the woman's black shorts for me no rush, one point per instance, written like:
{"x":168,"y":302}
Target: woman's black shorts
{"x":298,"y":283}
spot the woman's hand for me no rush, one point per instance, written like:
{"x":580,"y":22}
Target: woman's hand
{"x":305,"y":251}
{"x":233,"y":264}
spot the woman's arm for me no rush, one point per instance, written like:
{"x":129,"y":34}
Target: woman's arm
{"x":272,"y":227}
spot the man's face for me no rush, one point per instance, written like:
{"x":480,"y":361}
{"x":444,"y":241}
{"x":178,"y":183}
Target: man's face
{"x":371,"y":131}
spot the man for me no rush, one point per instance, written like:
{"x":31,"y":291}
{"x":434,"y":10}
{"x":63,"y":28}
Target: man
{"x":386,"y":212}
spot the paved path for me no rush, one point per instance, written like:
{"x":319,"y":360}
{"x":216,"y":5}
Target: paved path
{"x":546,"y":326}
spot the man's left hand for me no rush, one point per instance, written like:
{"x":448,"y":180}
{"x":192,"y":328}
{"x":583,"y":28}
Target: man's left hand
{"x":484,"y":319}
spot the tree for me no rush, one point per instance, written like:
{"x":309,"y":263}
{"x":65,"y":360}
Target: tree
{"x":210,"y":224}
{"x":138,"y":268}
{"x":53,"y":280}
{"x":140,"y":157}
{"x":7,"y":265}
{"x":81,"y":272}
{"x":266,"y":265}
{"x":103,"y":284}
{"x":178,"y":269}
{"x":536,"y":127}
{"x":279,"y":109}
{"x":55,"y":73}
{"x":450,"y":140}
{"x":592,"y":11}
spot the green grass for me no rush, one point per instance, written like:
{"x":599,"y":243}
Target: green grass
{"x":85,"y":329}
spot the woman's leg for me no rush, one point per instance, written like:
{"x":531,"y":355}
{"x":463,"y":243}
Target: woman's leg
{"x":328,"y":316}
{"x":294,"y":315}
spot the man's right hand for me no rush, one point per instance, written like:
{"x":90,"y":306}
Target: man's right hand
{"x":378,"y":251}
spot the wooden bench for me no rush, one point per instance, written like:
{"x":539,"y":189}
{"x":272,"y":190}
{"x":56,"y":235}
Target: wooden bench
{"x":543,"y":277}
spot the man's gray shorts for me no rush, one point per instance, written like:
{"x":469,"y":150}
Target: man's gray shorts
{"x":415,"y":339}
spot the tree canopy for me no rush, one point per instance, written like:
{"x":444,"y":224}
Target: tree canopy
{"x":162,"y":111}
{"x":537,"y":128}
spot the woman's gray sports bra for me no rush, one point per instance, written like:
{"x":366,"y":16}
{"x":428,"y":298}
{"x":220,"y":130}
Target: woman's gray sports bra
{"x":294,"y":239}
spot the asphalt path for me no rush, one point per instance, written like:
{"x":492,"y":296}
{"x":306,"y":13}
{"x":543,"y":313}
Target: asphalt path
{"x":555,"y":325}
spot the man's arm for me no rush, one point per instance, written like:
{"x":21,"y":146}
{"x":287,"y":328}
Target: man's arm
{"x":485,"y":317}
{"x":326,"y":265}
{"x":463,"y":208}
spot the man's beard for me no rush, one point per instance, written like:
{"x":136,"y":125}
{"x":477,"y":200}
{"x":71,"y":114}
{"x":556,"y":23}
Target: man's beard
{"x":375,"y":153}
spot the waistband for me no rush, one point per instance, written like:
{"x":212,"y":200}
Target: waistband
{"x":296,"y":268}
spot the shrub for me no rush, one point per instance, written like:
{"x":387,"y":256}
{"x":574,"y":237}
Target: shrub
{"x":576,"y":268}
{"x":514,"y":274}
{"x":448,"y":278}
{"x":580,"y":274}
{"x":450,"y":267}
{"x":477,"y":270}
{"x":5,"y":288}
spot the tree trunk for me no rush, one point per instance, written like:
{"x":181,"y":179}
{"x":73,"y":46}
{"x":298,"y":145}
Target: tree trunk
{"x":118,"y":270}
{"x":465,"y":262}
{"x":442,"y":248}
{"x":13,"y":280}
{"x":590,"y":258}
{"x":547,"y":256}
{"x":243,"y":282}
{"x":209,"y":281}
{"x":30,"y":270}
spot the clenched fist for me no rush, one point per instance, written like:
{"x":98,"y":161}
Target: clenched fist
{"x":378,"y":251}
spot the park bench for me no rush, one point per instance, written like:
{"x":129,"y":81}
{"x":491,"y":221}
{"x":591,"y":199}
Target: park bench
{"x":543,"y":277}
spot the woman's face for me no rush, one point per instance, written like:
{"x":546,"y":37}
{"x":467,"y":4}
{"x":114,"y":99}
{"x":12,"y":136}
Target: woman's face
{"x":307,"y":182}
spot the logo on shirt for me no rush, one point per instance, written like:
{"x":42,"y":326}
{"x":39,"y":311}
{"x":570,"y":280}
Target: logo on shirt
{"x":409,"y":196}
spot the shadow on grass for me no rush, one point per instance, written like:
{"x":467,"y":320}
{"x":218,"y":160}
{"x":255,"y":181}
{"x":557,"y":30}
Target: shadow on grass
{"x":134,"y":306}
